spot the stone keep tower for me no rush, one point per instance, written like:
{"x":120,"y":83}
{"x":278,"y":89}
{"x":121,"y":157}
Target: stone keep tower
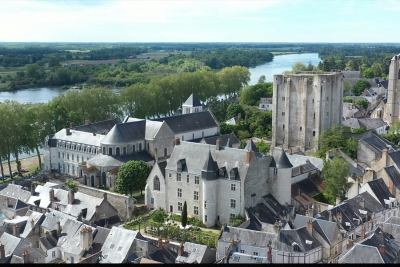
{"x":391,"y":110}
{"x":304,"y":105}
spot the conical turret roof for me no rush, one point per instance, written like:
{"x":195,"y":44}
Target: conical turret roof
{"x":192,"y":101}
{"x":281,"y":161}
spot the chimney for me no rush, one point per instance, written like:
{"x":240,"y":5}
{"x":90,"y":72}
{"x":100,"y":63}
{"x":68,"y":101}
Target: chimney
{"x":309,"y":226}
{"x":311,"y":212}
{"x":47,"y":235}
{"x":97,"y":212}
{"x":167,"y":244}
{"x":79,"y":218}
{"x":307,"y":161}
{"x":371,"y":224}
{"x":86,"y":238}
{"x":290,"y":151}
{"x":357,"y":185}
{"x":87,"y":121}
{"x":384,"y":156}
{"x":71,"y":197}
{"x":51,"y":194}
{"x":330,"y":215}
{"x":2,"y":252}
{"x":218,"y":144}
{"x":177,"y":141}
{"x":33,"y":189}
{"x":15,"y":229}
{"x":363,"y":232}
{"x":391,"y":187}
{"x":94,"y":134}
{"x":248,"y":157}
{"x":105,"y":196}
{"x":269,"y":253}
{"x":71,"y":124}
{"x":362,"y":203}
{"x":32,"y":224}
{"x":159,"y":242}
{"x":365,"y":92}
{"x":25,"y":256}
{"x":382,"y":249}
{"x":339,"y":217}
{"x":338,"y":200}
{"x":111,"y":116}
{"x":7,"y":202}
{"x":58,"y":228}
{"x":301,"y":169}
{"x":67,"y":131}
{"x":181,"y":249}
{"x":350,"y":243}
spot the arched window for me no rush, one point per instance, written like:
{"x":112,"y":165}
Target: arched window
{"x":117,"y":151}
{"x":110,"y":151}
{"x":156,"y":183}
{"x":104,"y":150}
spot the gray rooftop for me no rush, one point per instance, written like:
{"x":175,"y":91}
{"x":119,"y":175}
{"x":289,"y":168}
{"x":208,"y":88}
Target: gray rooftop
{"x":280,"y":159}
{"x":101,"y":160}
{"x":123,"y":133}
{"x":248,"y":237}
{"x":192,"y":101}
{"x":16,"y":191}
{"x":359,"y":254}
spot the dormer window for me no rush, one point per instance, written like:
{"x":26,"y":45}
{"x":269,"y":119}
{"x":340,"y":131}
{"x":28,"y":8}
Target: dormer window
{"x":222,"y":172}
{"x":234,"y":174}
{"x":180,"y":165}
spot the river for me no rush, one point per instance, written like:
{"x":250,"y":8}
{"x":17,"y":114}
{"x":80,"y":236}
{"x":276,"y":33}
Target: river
{"x":280,"y":64}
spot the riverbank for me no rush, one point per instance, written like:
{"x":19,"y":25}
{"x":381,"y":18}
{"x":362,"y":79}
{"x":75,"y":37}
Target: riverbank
{"x":28,"y":163}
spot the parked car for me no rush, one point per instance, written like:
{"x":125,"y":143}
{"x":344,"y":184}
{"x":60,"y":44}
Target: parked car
{"x":7,"y":175}
{"x":24,"y":170}
{"x":15,"y":173}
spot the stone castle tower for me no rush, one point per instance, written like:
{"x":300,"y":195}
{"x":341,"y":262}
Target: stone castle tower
{"x":304,"y":105}
{"x":391,"y":110}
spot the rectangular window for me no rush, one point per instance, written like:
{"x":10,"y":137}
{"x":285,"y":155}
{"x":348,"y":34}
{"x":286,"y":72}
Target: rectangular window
{"x":233,"y":187}
{"x":327,"y":114}
{"x":283,"y":127}
{"x":59,"y":154}
{"x":233,"y":203}
{"x":152,"y":200}
{"x":73,"y":157}
{"x":301,"y":128}
{"x":196,"y":180}
{"x":178,"y":177}
{"x":283,"y":113}
{"x":196,"y":210}
{"x":313,"y":101}
{"x":180,"y":206}
{"x":283,"y":98}
{"x":327,"y":98}
{"x":77,"y":158}
{"x":169,"y":175}
{"x":187,"y":178}
{"x":255,"y":253}
{"x":68,"y":156}
{"x":196,"y":195}
{"x":53,"y":254}
{"x":313,"y":133}
{"x":205,"y":218}
{"x":232,"y":216}
{"x":63,"y":155}
{"x":242,"y":251}
{"x":179,"y":192}
{"x":314,"y":115}
{"x":205,"y":204}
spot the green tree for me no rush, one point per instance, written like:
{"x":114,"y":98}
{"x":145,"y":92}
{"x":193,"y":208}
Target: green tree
{"x":362,"y":102}
{"x":184,"y":215}
{"x":299,"y":66}
{"x":331,"y":138}
{"x":72,"y":185}
{"x":335,"y":174}
{"x":360,"y":86}
{"x":54,"y":62}
{"x":368,"y":73}
{"x":251,"y":95}
{"x":233,"y":111}
{"x":395,"y":128}
{"x":262,"y":147}
{"x":159,"y":216}
{"x":262,"y":79}
{"x":348,"y":100}
{"x":132,"y":176}
{"x":377,"y":68}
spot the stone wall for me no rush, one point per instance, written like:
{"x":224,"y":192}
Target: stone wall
{"x":119,"y":201}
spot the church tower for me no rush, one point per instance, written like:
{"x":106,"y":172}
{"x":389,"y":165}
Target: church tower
{"x":391,"y":110}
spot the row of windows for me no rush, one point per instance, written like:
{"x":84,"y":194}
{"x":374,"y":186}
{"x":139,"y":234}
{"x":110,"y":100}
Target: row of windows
{"x":62,"y":155}
{"x":179,"y":178}
{"x":195,"y":208}
{"x":81,"y":148}
{"x":301,"y":129}
{"x":233,"y":175}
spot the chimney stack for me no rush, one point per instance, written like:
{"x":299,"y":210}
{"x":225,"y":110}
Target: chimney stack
{"x":218,"y":144}
{"x":290,"y":151}
{"x":7,"y":202}
{"x":309,"y":226}
{"x":51,"y":194}
{"x":269,"y":253}
{"x":363,"y":232}
{"x":177,"y":141}
{"x":86,"y":238}
{"x":47,"y":234}
{"x":32,"y":224}
{"x":338,"y":200}
{"x":339,"y":217}
{"x":25,"y":256}
{"x":371,"y":224}
{"x":181,"y":249}
{"x":301,"y":169}
{"x":384,"y":156}
{"x":2,"y":252}
{"x":67,"y":131}
{"x":362,"y":202}
{"x":71,"y":124}
{"x":79,"y":218}
{"x":248,"y":157}
{"x":94,"y":134}
{"x":382,"y":249}
{"x":159,"y":242}
{"x":105,"y":196}
{"x":97,"y":212}
{"x":330,"y":215}
{"x":15,"y":229}
{"x":87,"y":121}
{"x":33,"y":189}
{"x":58,"y":228}
{"x":350,"y":243}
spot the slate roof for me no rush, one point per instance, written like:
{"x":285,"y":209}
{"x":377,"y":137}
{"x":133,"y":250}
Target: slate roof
{"x":379,"y":143}
{"x":42,"y":194}
{"x":16,"y":191}
{"x":192,"y":101}
{"x":378,"y":238}
{"x":370,"y":203}
{"x":393,"y":220}
{"x":152,"y":128}
{"x":190,"y":122}
{"x":127,"y":132}
{"x":264,"y":214}
{"x":101,"y":160}
{"x":83,"y":201}
{"x":98,"y":241}
{"x":52,"y":217}
{"x":250,"y":146}
{"x":395,"y":156}
{"x":394,"y":175}
{"x":380,"y":190}
{"x":353,"y":123}
{"x":101,"y":127}
{"x":299,"y":236}
{"x":164,"y":254}
{"x":48,"y":242}
{"x":10,"y":243}
{"x":280,"y":160}
{"x":85,"y":138}
{"x":116,"y":248}
{"x":13,"y":202}
{"x":36,"y":217}
{"x":360,"y":253}
{"x":297,"y":160}
{"x":240,"y":258}
{"x":275,"y":205}
{"x":234,"y":141}
{"x":195,"y":253}
{"x":309,"y":187}
{"x":248,"y":237}
{"x":372,"y":123}
{"x":305,"y":168}
{"x":264,"y":100}
{"x":69,"y":241}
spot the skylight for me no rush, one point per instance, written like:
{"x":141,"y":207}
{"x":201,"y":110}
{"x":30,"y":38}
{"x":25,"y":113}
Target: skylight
{"x":112,"y":246}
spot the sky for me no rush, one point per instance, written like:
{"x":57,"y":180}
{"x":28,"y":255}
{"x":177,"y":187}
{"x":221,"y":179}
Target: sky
{"x":337,"y":21}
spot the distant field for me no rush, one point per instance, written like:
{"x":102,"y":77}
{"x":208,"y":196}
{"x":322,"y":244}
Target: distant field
{"x":97,"y":62}
{"x":78,"y":51}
